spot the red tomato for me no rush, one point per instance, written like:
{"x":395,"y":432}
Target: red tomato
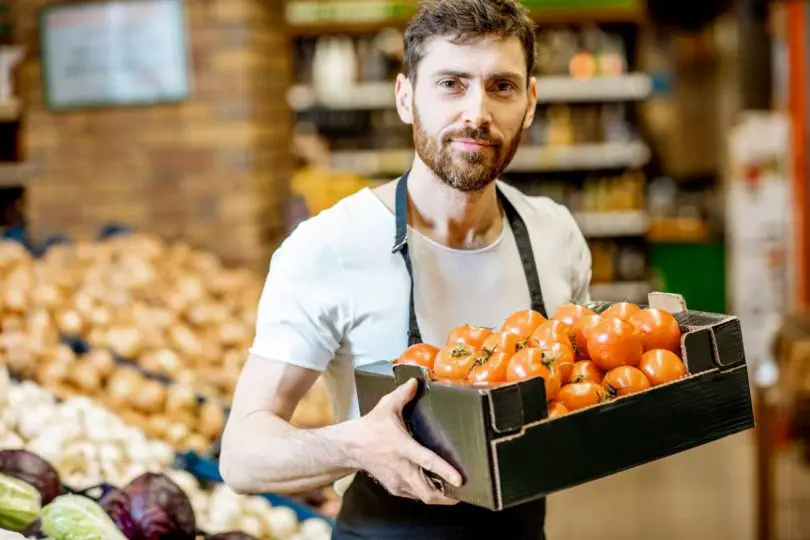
{"x":420,"y":354}
{"x":454,"y":362}
{"x":613,"y":343}
{"x":622,"y":310}
{"x":579,"y":395}
{"x":489,"y":368}
{"x":474,"y":336}
{"x":559,"y":356}
{"x":581,"y":331}
{"x":585,"y":370}
{"x":523,"y":323}
{"x":625,"y":380}
{"x":662,"y":366}
{"x":529,"y":363}
{"x":551,"y":331}
{"x":505,"y":342}
{"x":556,"y":409}
{"x":659,"y":328}
{"x":571,"y":313}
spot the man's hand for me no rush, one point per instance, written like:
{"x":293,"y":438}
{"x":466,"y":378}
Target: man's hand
{"x":383,"y":447}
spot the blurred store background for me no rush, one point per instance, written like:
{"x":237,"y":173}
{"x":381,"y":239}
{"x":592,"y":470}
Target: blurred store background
{"x":155,"y":152}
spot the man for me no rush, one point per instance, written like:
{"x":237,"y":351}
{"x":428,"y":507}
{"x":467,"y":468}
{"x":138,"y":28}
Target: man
{"x":338,"y":293}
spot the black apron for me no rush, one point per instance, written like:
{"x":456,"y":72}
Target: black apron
{"x":369,"y":512}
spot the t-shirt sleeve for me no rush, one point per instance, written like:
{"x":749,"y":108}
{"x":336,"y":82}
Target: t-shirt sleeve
{"x":304,"y":308}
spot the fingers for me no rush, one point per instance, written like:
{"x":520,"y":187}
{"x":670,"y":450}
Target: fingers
{"x":397,"y":399}
{"x":429,"y":461}
{"x":425,"y":491}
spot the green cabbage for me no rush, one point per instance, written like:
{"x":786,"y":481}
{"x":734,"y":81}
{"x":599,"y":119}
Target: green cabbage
{"x":20,"y":503}
{"x":72,"y":517}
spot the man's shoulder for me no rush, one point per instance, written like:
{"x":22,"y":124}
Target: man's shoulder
{"x":538,"y":207}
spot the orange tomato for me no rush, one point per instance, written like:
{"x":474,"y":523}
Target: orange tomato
{"x":579,"y":395}
{"x":659,"y":328}
{"x":662,"y":366}
{"x":621,"y":310}
{"x":556,"y":409}
{"x":522,"y":323}
{"x":551,"y":331}
{"x":571,"y":313}
{"x":474,"y":336}
{"x":529,"y":363}
{"x":586,"y":370}
{"x":505,"y":342}
{"x":581,"y":331}
{"x":613,"y":343}
{"x":420,"y":354}
{"x":625,"y":380}
{"x":489,"y":368}
{"x":454,"y":362}
{"x":559,"y":356}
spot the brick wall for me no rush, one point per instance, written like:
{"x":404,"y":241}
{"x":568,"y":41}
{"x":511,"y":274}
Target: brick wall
{"x":213,"y":170}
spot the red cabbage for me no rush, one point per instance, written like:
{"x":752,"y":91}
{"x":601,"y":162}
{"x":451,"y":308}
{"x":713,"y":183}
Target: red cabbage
{"x":33,"y":470}
{"x":151,"y":507}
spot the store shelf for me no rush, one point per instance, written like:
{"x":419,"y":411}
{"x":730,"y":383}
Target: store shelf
{"x":528,"y":158}
{"x":9,"y":110}
{"x":631,"y":291}
{"x":558,"y":89}
{"x":613,"y":224}
{"x":13,"y":175}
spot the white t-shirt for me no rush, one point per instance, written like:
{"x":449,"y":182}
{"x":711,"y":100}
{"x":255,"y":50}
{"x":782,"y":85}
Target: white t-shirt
{"x":336,"y":296}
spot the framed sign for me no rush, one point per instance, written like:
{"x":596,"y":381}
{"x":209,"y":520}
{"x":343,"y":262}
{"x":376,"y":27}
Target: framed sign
{"x":114,"y":53}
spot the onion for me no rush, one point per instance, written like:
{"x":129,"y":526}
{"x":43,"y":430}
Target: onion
{"x":52,"y":372}
{"x":212,"y":419}
{"x":69,"y":322}
{"x":102,"y":360}
{"x":150,"y":398}
{"x":125,"y":341}
{"x":86,"y":377}
{"x":181,"y":399}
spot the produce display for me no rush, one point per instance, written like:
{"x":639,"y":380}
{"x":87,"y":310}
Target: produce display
{"x":169,"y":328}
{"x":46,"y":445}
{"x":584,"y":358}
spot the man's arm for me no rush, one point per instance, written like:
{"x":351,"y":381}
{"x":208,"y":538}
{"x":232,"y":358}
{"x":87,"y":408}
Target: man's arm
{"x":262,"y":452}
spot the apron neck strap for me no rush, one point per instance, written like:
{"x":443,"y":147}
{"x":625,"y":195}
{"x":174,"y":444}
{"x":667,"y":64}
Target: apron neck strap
{"x":519,"y":230}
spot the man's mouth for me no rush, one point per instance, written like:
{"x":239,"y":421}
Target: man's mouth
{"x":472,"y":145}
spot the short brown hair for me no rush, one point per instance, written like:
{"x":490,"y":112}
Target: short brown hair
{"x":466,"y":19}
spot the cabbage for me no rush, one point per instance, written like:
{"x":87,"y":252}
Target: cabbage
{"x":73,"y":517}
{"x":151,"y":507}
{"x":20,"y":503}
{"x":33,"y":470}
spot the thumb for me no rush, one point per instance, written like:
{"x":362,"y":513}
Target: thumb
{"x":402,"y":395}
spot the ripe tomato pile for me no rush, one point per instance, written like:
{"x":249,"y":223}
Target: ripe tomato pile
{"x":584,"y":358}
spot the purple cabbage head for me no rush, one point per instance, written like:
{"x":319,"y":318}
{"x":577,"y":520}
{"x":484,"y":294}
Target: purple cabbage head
{"x":32,"y":469}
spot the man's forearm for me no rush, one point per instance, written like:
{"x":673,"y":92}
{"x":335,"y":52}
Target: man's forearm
{"x":302,"y":459}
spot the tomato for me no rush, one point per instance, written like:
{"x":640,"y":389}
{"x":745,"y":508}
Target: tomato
{"x":621,"y":310}
{"x":659,"y":328}
{"x":474,"y":336}
{"x":579,"y":395}
{"x":613,"y":343}
{"x":529,"y":363}
{"x":571,"y":313}
{"x":580,"y":332}
{"x":625,"y":380}
{"x":559,"y":356}
{"x":585,"y":370}
{"x":551,"y":331}
{"x":556,"y":409}
{"x":505,"y":342}
{"x":420,"y":354}
{"x":662,"y":366}
{"x":522,"y":323}
{"x":454,"y":362}
{"x":489,"y":367}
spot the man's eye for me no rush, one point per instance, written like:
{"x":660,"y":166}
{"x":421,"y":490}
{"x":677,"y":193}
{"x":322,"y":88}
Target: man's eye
{"x":449,"y":84}
{"x":504,"y":87}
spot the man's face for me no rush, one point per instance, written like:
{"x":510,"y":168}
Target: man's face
{"x":469,"y":106}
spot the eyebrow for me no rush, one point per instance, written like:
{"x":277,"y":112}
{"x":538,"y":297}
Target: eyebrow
{"x":464,"y":75}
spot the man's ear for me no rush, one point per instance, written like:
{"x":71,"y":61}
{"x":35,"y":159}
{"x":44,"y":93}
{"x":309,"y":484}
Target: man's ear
{"x":532,"y":105}
{"x":404,"y":98}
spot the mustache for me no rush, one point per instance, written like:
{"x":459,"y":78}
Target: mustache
{"x":479,"y":134}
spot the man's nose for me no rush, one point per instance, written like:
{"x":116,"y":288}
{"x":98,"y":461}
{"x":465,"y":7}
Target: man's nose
{"x":477,"y":108}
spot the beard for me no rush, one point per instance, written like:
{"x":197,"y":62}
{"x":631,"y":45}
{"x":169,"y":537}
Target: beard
{"x":465,"y":171}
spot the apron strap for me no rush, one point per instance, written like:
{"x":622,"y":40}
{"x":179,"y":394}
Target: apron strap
{"x":519,"y":230}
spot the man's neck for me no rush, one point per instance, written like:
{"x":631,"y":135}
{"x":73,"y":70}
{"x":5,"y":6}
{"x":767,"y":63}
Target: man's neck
{"x":451,"y":217}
